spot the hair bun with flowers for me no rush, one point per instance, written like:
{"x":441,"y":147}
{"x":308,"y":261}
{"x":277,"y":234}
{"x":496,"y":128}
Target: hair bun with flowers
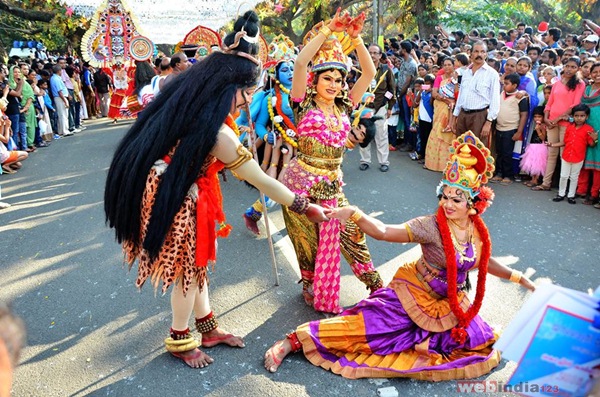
{"x":470,"y":166}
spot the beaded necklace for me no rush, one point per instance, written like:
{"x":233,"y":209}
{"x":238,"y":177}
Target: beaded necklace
{"x":283,"y":88}
{"x":289,"y":133}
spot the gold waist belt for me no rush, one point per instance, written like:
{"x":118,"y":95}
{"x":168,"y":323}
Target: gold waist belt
{"x":331,"y":174}
{"x":320,"y":162}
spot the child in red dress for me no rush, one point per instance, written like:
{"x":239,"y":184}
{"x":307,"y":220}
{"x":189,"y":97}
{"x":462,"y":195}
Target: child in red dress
{"x":578,"y":136}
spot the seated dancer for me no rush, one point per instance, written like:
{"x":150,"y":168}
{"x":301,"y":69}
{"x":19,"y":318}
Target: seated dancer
{"x":162,"y":190}
{"x":273,"y":119}
{"x":315,"y":172}
{"x":422,"y":325}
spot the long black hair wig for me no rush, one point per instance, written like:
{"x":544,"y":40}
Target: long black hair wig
{"x":188,"y":112}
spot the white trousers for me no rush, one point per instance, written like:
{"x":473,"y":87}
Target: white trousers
{"x":62,"y":114}
{"x":569,"y":171}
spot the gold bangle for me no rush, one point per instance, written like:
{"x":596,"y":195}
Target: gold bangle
{"x":356,"y":215}
{"x":516,"y":276}
{"x":357,"y":41}
{"x":325,"y":30}
{"x":273,"y":164}
{"x":285,"y":165}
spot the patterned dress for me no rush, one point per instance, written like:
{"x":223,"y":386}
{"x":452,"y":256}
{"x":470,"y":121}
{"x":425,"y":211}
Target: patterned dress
{"x":315,"y":173}
{"x":190,"y":243}
{"x":404,"y":330}
{"x":436,"y":154}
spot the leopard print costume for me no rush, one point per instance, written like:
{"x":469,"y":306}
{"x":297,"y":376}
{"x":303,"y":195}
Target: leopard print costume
{"x":175,"y":262}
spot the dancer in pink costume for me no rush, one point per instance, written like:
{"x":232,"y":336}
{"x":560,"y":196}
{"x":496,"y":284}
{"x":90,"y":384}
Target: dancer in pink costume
{"x":323,"y":135}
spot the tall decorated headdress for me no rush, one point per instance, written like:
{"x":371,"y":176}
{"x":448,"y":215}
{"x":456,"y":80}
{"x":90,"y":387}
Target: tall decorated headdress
{"x":469,"y":168}
{"x":333,"y":52}
{"x":114,"y":36}
{"x":281,"y":49}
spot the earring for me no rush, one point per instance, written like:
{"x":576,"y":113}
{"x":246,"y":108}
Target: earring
{"x":472,"y":211}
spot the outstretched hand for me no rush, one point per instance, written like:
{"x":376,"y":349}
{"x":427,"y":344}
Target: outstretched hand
{"x":316,"y":213}
{"x":355,"y":26}
{"x":341,"y":213}
{"x":527,"y":283}
{"x":339,"y":23}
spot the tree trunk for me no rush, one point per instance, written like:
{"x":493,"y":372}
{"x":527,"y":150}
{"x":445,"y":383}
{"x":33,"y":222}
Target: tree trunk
{"x":426,"y":17}
{"x":30,"y":15}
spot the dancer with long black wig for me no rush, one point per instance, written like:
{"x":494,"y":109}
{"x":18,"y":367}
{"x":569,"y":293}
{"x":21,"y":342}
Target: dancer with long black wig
{"x":162,"y":192}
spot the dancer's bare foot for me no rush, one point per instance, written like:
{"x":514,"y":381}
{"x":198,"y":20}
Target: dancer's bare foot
{"x":251,"y":225}
{"x":194,"y":358}
{"x":309,"y":299}
{"x":217,"y":336}
{"x":275,"y":355}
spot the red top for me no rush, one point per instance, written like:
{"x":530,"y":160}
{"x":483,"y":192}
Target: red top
{"x":576,"y":142}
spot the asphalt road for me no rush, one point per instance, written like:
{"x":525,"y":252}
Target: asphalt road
{"x":91,"y":332}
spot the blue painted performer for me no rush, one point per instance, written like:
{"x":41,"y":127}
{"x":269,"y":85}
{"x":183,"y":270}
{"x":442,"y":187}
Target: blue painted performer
{"x":273,"y":119}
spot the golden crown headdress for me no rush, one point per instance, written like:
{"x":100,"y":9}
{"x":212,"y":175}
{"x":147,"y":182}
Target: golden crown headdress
{"x":333,"y":52}
{"x":471,"y":165}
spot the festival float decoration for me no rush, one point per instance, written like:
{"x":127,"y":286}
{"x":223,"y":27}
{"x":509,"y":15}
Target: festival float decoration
{"x":114,"y":37}
{"x":199,"y":42}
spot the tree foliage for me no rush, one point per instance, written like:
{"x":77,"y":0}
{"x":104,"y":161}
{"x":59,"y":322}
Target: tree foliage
{"x":295,"y":17}
{"x":41,"y":20}
{"x":504,"y":14}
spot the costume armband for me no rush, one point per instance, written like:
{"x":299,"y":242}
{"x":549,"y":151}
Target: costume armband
{"x":244,"y":156}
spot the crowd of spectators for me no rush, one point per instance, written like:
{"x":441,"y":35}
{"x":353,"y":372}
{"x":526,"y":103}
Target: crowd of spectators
{"x":42,"y":100}
{"x":426,"y":92}
{"x":494,"y":83}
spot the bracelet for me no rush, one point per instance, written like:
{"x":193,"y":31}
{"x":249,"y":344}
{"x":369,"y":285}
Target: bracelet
{"x":285,"y":165}
{"x":356,"y":215}
{"x":273,"y":164}
{"x":357,"y":41}
{"x":325,"y":30}
{"x":300,"y":204}
{"x":516,"y":276}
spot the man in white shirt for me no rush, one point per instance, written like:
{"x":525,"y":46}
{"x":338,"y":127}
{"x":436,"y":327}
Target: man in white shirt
{"x":479,"y":96}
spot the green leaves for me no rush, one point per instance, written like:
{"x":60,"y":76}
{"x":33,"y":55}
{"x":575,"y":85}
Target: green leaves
{"x":41,"y":20}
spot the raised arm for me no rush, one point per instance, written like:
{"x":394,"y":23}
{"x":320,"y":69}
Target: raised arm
{"x":364,"y":59}
{"x":592,"y":25}
{"x":18,"y":91}
{"x":337,"y":24}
